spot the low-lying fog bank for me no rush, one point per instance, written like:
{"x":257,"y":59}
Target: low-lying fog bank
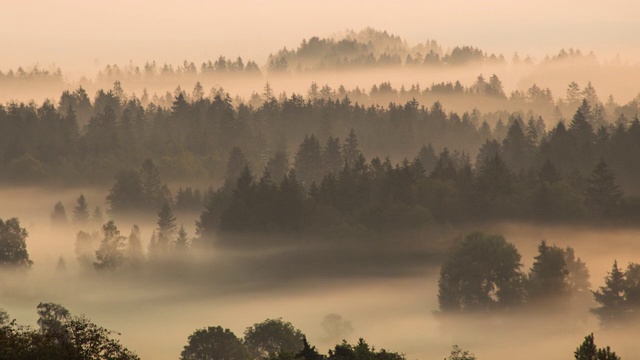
{"x":387,"y":291}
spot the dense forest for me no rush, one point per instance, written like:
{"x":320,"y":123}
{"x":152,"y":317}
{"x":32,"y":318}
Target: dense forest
{"x":227,"y":188}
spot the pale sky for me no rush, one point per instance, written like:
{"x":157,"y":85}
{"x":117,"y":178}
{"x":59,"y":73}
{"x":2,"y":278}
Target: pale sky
{"x":81,"y":35}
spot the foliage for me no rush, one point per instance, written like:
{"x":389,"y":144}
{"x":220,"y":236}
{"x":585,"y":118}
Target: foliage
{"x":459,"y":354}
{"x":361,"y":351}
{"x":482,"y":272}
{"x":214,"y":343}
{"x":110,"y":254}
{"x":619,"y":297}
{"x":13,"y":246}
{"x":271,"y":337}
{"x":60,"y":336}
{"x":588,"y":351}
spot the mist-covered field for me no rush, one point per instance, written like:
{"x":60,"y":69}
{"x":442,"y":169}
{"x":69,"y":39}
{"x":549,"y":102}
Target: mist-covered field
{"x":387,"y":293}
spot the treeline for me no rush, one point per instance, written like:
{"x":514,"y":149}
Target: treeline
{"x":371,"y":48}
{"x":484,"y":273}
{"x":84,"y":141}
{"x":61,"y":335}
{"x":152,"y":71}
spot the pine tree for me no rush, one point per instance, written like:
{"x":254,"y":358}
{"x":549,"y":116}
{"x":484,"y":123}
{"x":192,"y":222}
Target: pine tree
{"x":166,"y":228}
{"x":59,"y":215}
{"x":602,"y":193}
{"x":588,"y":351}
{"x":135,"y":256}
{"x":237,"y":162}
{"x":151,"y":184}
{"x":547,"y":278}
{"x":350,"y":148}
{"x":308,"y":161}
{"x":182,"y":240}
{"x":611,"y":297}
{"x":81,"y":210}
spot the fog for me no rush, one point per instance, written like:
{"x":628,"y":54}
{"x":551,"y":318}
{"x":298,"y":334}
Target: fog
{"x":79,"y":35}
{"x":388,"y":293}
{"x":382,"y":280}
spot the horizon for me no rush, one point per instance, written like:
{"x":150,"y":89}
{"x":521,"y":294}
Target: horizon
{"x":197,"y":32}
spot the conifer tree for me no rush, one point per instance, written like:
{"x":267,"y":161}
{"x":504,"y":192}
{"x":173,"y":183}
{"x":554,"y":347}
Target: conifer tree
{"x":81,"y":210}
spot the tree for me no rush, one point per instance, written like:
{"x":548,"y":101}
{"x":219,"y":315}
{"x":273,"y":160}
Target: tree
{"x":361,"y":351}
{"x":61,"y":336}
{"x":214,"y":343}
{"x":578,"y":277}
{"x":611,"y":297}
{"x":458,"y":354}
{"x":166,"y":229}
{"x":13,"y":246}
{"x":308,"y":161}
{"x":278,"y":166}
{"x":81,"y":210}
{"x":273,"y":336}
{"x":237,"y":162}
{"x":588,"y":351}
{"x":134,"y":254}
{"x":182,"y":240}
{"x":127,"y":193}
{"x":482,"y":272}
{"x":547,"y":279}
{"x":59,"y":215}
{"x":350,"y":148}
{"x":110,"y":254}
{"x":332,"y":160}
{"x":96,"y":216}
{"x":602,"y":193}
{"x":151,"y":184}
{"x":335,"y":327}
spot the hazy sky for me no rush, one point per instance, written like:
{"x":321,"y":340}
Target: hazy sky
{"x":82,"y":34}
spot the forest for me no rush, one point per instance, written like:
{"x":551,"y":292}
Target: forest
{"x":449,"y":201}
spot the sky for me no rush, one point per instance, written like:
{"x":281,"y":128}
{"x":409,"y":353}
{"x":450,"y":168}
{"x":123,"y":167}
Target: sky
{"x":83,"y":35}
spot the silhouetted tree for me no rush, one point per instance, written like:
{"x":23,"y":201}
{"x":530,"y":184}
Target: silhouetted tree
{"x":547,"y":278}
{"x":214,"y":343}
{"x":482,"y":272}
{"x":59,"y":215}
{"x":81,"y":210}
{"x":588,"y":351}
{"x":602,"y":193}
{"x":13,"y":245}
{"x":110,"y":254}
{"x":127,"y":193}
{"x":273,"y":336}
